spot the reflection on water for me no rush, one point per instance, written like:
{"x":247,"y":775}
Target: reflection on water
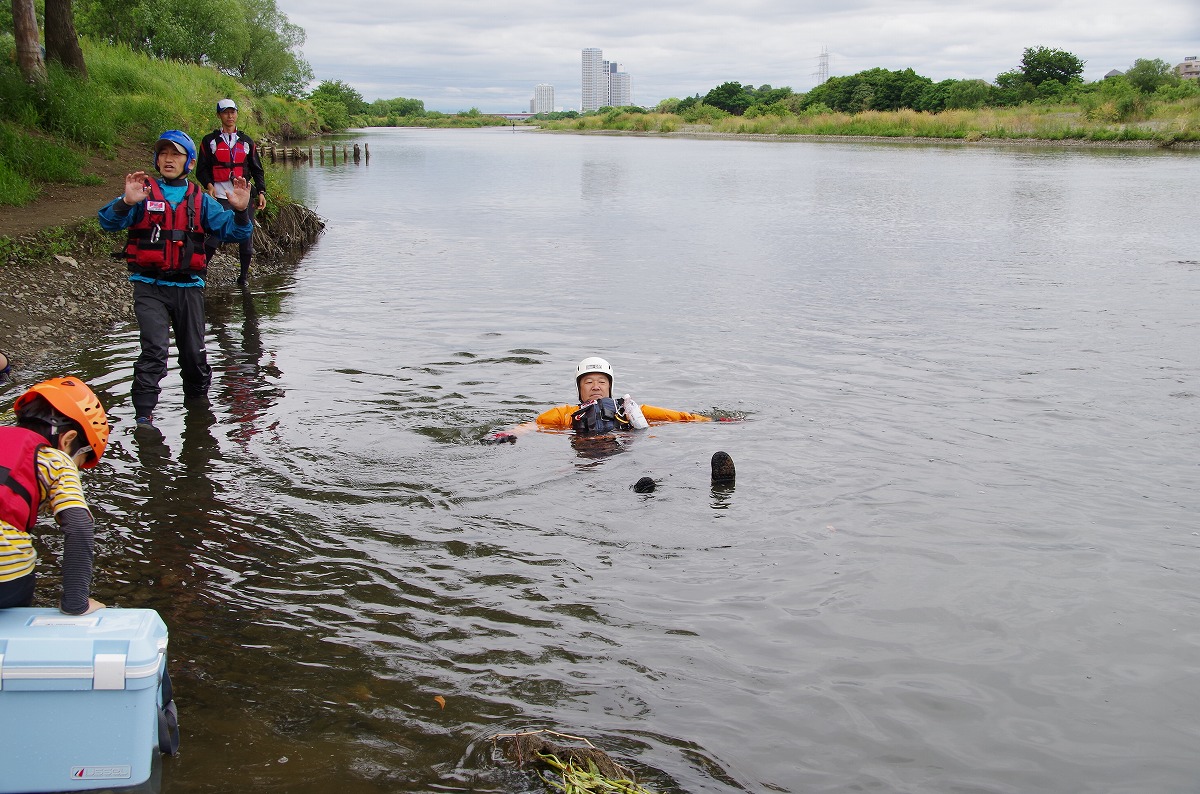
{"x":596,"y":448}
{"x":246,"y":384}
{"x":960,"y":552}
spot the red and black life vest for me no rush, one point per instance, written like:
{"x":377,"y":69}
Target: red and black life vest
{"x":168,"y":239}
{"x":19,"y":493}
{"x":229,"y":163}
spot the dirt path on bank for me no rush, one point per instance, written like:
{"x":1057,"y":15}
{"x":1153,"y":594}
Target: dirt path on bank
{"x":63,"y":205}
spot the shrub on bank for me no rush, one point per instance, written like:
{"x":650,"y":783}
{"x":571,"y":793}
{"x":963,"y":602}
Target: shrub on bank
{"x":283,"y":118}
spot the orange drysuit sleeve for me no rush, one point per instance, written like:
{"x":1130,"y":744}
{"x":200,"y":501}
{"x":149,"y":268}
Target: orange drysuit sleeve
{"x":560,"y":417}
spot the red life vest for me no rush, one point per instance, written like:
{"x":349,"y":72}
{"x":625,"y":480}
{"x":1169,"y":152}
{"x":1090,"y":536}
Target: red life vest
{"x":166,"y":239}
{"x":229,"y":163}
{"x":19,"y":492}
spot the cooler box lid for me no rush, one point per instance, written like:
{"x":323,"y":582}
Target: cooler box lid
{"x":108,"y":649}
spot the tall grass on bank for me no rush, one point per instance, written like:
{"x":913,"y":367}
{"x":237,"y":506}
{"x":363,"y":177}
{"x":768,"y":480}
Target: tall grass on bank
{"x":128,"y":98}
{"x":26,"y":161}
{"x":433,"y":119}
{"x":1163,"y":122}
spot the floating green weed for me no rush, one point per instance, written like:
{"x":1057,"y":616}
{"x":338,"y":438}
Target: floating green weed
{"x":572,"y":778}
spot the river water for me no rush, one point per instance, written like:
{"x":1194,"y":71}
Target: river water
{"x":961,"y":554}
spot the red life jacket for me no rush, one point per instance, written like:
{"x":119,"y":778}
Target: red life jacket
{"x":229,"y":163}
{"x":19,"y":492}
{"x":166,"y":239}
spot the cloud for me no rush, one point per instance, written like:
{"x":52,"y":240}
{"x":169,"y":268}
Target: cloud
{"x":457,"y":54}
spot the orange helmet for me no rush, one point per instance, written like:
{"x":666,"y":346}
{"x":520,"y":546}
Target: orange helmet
{"x":72,"y":398}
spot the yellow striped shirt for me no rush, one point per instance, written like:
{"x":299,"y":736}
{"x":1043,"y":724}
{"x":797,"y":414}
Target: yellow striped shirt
{"x":58,"y":488}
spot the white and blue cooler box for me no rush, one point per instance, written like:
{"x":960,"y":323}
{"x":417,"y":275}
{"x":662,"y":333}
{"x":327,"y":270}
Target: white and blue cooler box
{"x":79,"y":698}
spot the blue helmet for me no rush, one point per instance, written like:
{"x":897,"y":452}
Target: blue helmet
{"x":179,"y":138}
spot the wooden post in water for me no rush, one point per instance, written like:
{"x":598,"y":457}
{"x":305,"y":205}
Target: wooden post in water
{"x":357,"y":154}
{"x":345,"y":155}
{"x":367,"y":151}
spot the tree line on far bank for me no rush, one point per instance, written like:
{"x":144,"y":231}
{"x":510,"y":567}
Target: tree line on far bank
{"x":1046,"y":75}
{"x":341,"y":106}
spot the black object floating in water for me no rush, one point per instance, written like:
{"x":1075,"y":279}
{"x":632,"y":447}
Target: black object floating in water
{"x":645,"y":485}
{"x":723,"y":471}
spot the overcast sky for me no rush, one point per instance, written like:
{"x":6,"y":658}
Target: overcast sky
{"x":489,"y":54}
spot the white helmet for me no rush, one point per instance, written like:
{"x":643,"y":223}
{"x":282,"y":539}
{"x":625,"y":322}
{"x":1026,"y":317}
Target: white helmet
{"x":594,"y":364}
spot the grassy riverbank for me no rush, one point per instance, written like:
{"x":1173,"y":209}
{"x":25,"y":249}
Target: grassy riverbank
{"x":48,"y":133}
{"x":1163,"y":124}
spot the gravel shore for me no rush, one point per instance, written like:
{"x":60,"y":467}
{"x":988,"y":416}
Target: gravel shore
{"x":53,"y":305}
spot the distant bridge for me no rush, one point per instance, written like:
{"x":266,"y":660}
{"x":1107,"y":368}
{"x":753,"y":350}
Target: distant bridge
{"x":515,"y":116}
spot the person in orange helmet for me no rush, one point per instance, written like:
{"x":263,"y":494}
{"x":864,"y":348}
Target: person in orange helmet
{"x":61,"y":428}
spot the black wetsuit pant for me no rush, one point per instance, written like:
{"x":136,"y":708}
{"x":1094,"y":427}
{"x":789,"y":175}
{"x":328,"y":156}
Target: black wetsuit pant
{"x":160,"y":310}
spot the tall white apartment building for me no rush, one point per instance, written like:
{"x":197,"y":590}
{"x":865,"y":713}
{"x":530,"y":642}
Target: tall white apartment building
{"x":620,"y":87}
{"x":595,"y":81}
{"x":543,"y":99}
{"x":604,"y":83}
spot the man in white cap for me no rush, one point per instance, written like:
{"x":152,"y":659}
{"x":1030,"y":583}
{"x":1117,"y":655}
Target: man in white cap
{"x":225,"y":154}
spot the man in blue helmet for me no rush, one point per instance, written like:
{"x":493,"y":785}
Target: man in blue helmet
{"x":167,"y":219}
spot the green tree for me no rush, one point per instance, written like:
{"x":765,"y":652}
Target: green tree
{"x":1012,"y":89}
{"x":968,"y":95}
{"x":399,"y":107}
{"x":270,"y":62}
{"x":332,"y":113}
{"x":183,"y":30}
{"x":731,"y":97}
{"x":933,"y":98}
{"x":341,"y":93}
{"x":25,"y":35}
{"x":62,"y":42}
{"x":1039,"y":64}
{"x":248,"y":39}
{"x":873,"y":89}
{"x":1147,"y":75}
{"x":765,"y":95}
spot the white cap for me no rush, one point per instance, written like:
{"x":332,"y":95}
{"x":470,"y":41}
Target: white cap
{"x":226,"y":104}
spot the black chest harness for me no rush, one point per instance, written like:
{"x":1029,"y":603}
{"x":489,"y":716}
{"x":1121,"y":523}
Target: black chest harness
{"x":600,"y":416}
